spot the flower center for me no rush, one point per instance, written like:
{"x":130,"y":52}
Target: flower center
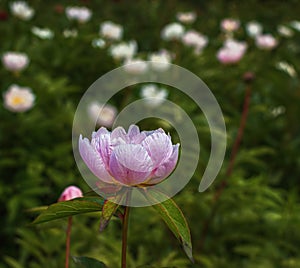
{"x":17,"y":100}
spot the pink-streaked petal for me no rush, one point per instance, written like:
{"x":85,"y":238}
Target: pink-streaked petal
{"x":159,"y":147}
{"x":133,"y":131}
{"x":150,"y":132}
{"x":118,"y":134}
{"x":99,"y":132}
{"x":104,"y":147}
{"x":93,"y":160}
{"x":130,"y":164}
{"x":166,"y":168}
{"x":134,"y":134}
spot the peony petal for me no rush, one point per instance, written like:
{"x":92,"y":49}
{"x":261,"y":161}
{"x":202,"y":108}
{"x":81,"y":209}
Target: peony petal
{"x":99,"y":132}
{"x":166,"y":168}
{"x":159,"y":147}
{"x":119,"y":132}
{"x":104,"y":147}
{"x":93,"y":160}
{"x":134,"y":134}
{"x":130,"y":164}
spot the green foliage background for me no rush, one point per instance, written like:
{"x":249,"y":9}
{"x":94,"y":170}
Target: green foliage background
{"x":257,"y":217}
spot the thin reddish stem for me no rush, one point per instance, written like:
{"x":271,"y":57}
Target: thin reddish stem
{"x":232,"y":159}
{"x":124,"y":236}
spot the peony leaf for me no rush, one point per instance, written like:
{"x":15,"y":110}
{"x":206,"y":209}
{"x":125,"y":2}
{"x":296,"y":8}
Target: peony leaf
{"x":175,"y":220}
{"x":70,"y":208}
{"x":109,"y":209}
{"x":86,"y":262}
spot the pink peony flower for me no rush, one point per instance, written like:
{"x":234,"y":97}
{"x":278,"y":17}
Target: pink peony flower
{"x":196,"y":40}
{"x":231,"y":52}
{"x":14,"y":61}
{"x":230,"y":25}
{"x":266,"y":41}
{"x":70,"y":193}
{"x":172,"y":31}
{"x":104,"y":115}
{"x":129,"y":159}
{"x":18,"y":99}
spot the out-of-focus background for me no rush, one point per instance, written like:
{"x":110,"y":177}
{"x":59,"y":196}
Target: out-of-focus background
{"x":52,"y":51}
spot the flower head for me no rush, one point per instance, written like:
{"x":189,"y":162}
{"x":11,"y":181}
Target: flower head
{"x":70,"y":193}
{"x":285,"y":31}
{"x":14,"y":61}
{"x":231,"y":52}
{"x":123,"y":50}
{"x":135,"y":66}
{"x":266,"y":41}
{"x":172,"y":31}
{"x":18,"y":99}
{"x":196,"y":40}
{"x":154,"y":95}
{"x":104,"y":115}
{"x":160,"y":60}
{"x":230,"y":25}
{"x":186,"y":17}
{"x":21,"y":10}
{"x":81,"y":14}
{"x":129,"y":159}
{"x":43,"y":33}
{"x":111,"y":30}
{"x":254,"y":28}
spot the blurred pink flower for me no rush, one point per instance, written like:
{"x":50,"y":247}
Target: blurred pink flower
{"x":70,"y":193}
{"x":266,"y":41}
{"x":230,"y":25}
{"x":103,"y":115}
{"x":14,"y":61}
{"x":81,"y":14}
{"x":196,"y":40}
{"x":18,"y":99}
{"x":186,"y":17}
{"x":129,"y":159}
{"x":231,"y":52}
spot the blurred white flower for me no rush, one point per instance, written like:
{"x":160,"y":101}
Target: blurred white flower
{"x":21,"y":10}
{"x":254,"y":28}
{"x":123,"y":50}
{"x":102,"y":114}
{"x":230,"y":25}
{"x":111,"y":30}
{"x":160,"y":60}
{"x":231,"y":52}
{"x":67,"y":33}
{"x":153,"y":94}
{"x":43,"y":33}
{"x":14,"y":61}
{"x":196,"y":40}
{"x":287,"y":68}
{"x":98,"y":42}
{"x":186,"y":17}
{"x":276,"y":111}
{"x":81,"y":14}
{"x":135,"y":66}
{"x":296,"y":25}
{"x":18,"y":99}
{"x":285,"y":31}
{"x":172,"y":31}
{"x":266,"y":41}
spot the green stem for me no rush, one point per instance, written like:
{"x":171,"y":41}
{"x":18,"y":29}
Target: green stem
{"x":68,"y":239}
{"x":124,"y":235}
